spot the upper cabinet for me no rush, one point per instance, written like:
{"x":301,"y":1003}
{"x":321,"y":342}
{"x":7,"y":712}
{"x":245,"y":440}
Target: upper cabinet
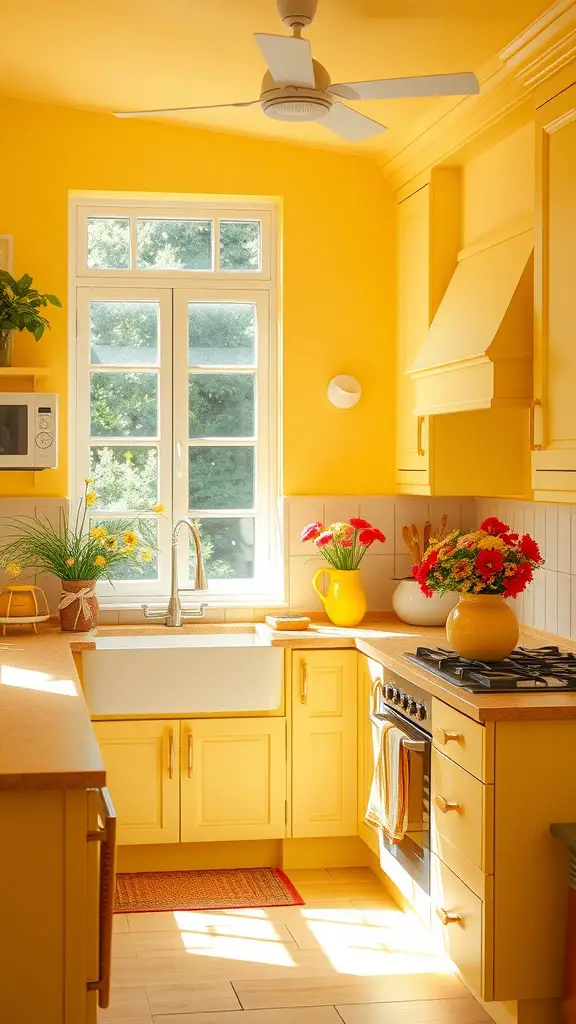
{"x":412,"y":443}
{"x":428,"y":242}
{"x":554,"y":447}
{"x":465,"y":326}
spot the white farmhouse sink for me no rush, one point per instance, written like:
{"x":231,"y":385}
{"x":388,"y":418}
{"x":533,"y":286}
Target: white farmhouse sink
{"x":182,"y":673}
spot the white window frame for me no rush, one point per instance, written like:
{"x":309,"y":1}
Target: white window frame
{"x":258,"y":286}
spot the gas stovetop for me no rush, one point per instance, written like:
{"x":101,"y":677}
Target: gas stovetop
{"x":537,"y":669}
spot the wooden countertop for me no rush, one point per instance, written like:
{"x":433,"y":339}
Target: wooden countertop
{"x":46,"y":737}
{"x":387,"y":640}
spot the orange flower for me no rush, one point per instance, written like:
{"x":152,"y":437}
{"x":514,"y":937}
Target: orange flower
{"x":462,"y":569}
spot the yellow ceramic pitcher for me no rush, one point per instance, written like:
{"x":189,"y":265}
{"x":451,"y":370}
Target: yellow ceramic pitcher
{"x":345,"y":602}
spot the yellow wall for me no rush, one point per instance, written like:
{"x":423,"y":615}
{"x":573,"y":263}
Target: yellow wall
{"x":338,"y":269}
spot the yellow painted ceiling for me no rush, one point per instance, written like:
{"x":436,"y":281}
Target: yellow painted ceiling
{"x":129,"y":54}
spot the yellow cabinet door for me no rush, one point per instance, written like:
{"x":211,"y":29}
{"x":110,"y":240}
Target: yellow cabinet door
{"x":412,"y":448}
{"x":369,"y":676}
{"x":233,"y":779}
{"x":141,"y":760}
{"x":324,"y":743}
{"x":554,"y":455}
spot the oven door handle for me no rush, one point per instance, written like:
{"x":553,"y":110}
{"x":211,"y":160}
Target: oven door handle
{"x":418,"y":746}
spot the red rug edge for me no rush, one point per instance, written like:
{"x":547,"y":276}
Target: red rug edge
{"x":296,"y":897}
{"x":298,"y":901}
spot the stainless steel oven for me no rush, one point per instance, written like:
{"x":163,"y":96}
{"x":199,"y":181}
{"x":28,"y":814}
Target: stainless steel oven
{"x":408,"y":707}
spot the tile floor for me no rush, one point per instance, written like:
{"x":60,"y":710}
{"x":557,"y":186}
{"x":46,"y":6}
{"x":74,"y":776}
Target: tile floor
{"x":349,"y":956}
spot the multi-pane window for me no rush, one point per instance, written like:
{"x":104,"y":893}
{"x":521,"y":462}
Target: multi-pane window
{"x":174,"y":396}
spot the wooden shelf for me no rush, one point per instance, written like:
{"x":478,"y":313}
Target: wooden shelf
{"x":35,"y":372}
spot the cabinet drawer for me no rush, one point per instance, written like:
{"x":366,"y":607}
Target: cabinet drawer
{"x":466,"y":742}
{"x":462,"y":923}
{"x":462,"y":812}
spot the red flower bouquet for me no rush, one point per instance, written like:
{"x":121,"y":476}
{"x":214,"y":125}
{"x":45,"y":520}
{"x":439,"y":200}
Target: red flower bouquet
{"x":343,"y":544}
{"x":490,"y":560}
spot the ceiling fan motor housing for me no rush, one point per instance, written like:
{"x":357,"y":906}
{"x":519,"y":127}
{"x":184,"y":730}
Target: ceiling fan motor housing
{"x":297,"y":12}
{"x":297,"y":102}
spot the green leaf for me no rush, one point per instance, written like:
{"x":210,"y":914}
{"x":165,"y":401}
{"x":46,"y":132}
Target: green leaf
{"x":54,"y":300}
{"x":24,"y":283}
{"x":38,"y":331}
{"x":7,"y":278}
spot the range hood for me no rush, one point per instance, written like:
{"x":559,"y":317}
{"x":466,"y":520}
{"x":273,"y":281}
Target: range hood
{"x":478,"y":352}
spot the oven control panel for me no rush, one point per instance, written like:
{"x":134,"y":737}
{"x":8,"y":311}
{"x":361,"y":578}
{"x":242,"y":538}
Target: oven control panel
{"x":406,"y":697}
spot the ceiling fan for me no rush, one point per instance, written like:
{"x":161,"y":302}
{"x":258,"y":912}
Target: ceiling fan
{"x":298,"y":88}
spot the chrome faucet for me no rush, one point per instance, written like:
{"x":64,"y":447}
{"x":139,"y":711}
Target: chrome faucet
{"x":175,"y":614}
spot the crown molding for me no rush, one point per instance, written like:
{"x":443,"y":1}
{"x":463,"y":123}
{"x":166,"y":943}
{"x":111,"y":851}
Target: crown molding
{"x":509,"y":89}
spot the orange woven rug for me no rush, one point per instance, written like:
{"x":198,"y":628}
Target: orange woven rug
{"x":235,"y":888}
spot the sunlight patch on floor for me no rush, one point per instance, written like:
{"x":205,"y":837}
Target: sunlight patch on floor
{"x":363,"y":943}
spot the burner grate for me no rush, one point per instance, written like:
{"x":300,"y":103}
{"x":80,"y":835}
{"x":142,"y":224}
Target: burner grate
{"x":526,"y":669}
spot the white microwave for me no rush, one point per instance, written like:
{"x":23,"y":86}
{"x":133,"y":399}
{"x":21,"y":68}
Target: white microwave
{"x":28,"y":430}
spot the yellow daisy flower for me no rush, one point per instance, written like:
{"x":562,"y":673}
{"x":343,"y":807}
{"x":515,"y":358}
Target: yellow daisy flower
{"x":130,"y":539}
{"x":88,"y":480}
{"x":13,"y":569}
{"x":146,"y":555}
{"x":492,"y":543}
{"x":100,"y":560}
{"x":97,"y":532}
{"x":90,"y":498}
{"x":69,"y":561}
{"x":159,"y":508}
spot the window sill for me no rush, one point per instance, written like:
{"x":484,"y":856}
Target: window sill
{"x":155,"y":602}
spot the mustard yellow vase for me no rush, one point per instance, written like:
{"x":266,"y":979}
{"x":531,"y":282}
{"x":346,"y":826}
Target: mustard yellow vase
{"x":345,"y":601}
{"x":482,"y":626}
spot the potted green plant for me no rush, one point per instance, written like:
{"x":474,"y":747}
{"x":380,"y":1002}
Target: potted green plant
{"x":20,"y":306}
{"x":79,"y":555}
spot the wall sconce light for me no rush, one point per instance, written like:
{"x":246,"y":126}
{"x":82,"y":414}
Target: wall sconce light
{"x":344,"y":391}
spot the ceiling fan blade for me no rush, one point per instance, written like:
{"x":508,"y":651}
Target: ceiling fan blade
{"x":289,"y":59}
{"x":350,"y":124}
{"x":463,"y":84}
{"x":182,"y":110}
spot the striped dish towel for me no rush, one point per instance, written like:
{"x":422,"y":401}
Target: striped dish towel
{"x":388,"y":801}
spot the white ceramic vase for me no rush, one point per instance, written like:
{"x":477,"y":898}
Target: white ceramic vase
{"x":412,"y":606}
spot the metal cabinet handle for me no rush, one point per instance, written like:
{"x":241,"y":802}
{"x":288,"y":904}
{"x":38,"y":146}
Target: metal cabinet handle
{"x":446,"y":805}
{"x":106,"y":836}
{"x":378,"y":685}
{"x":171,"y":755}
{"x":304,"y":683}
{"x":444,"y":736}
{"x":446,"y":917}
{"x":190,"y":755}
{"x":419,"y":428}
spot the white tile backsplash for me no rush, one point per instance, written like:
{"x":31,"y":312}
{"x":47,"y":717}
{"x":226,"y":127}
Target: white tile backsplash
{"x":301,"y":512}
{"x":551,"y":600}
{"x":54,"y":509}
{"x":565,"y":539}
{"x":382,"y":565}
{"x":378,"y":580}
{"x":548,"y":603}
{"x":564,"y":604}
